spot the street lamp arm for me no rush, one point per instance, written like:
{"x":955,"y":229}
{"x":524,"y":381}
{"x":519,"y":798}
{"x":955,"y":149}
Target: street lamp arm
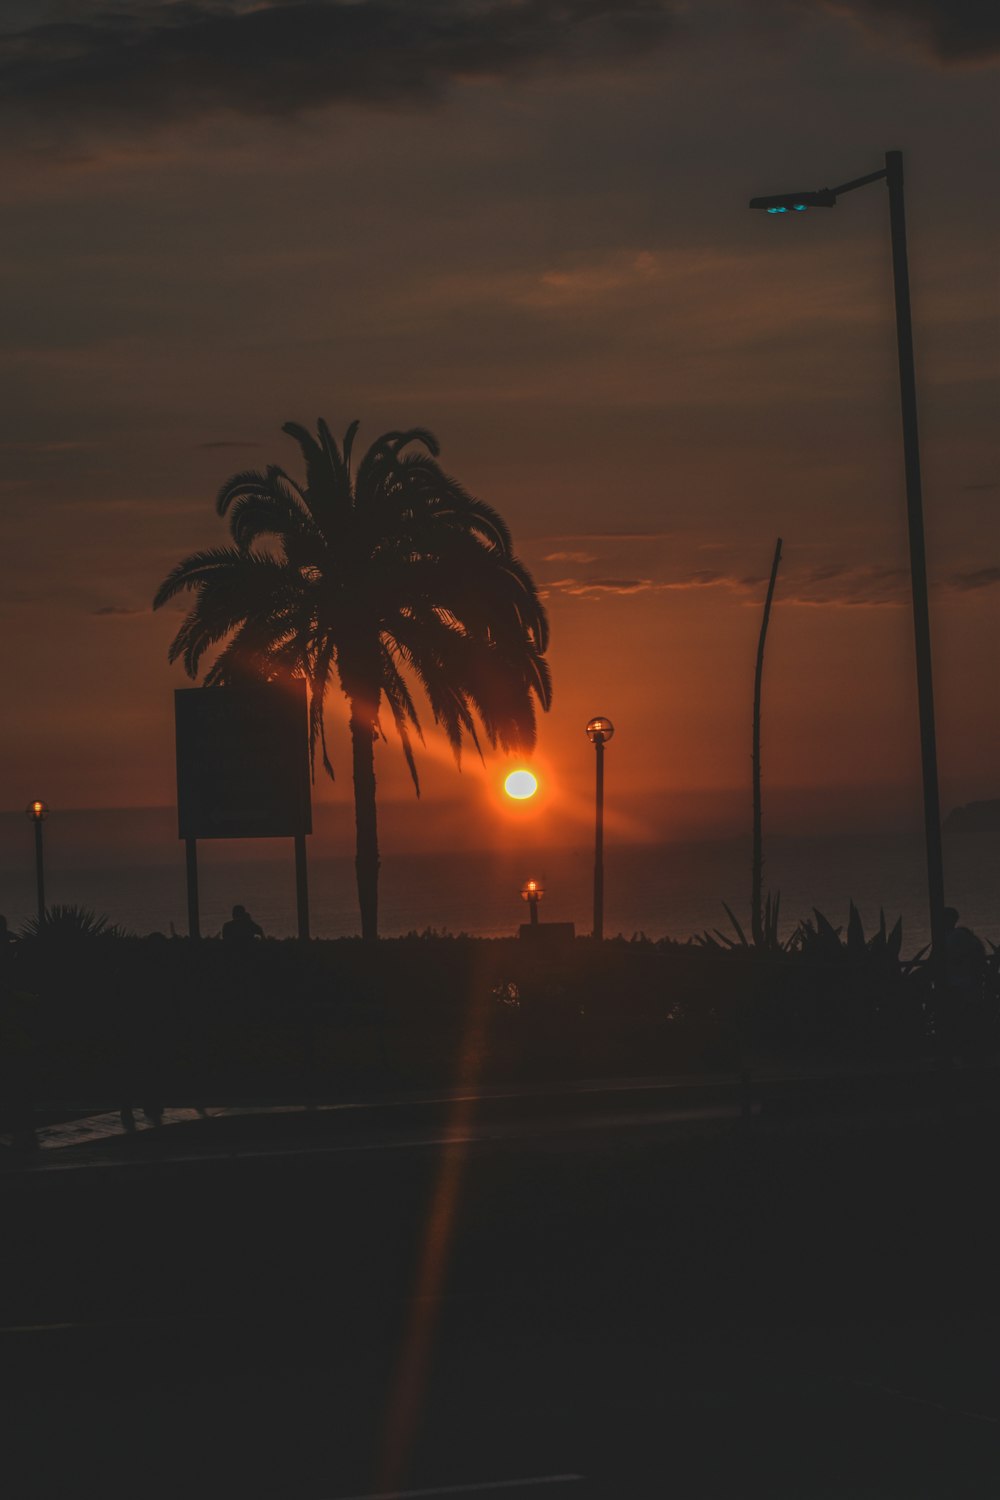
{"x":783,"y":203}
{"x":848,"y":187}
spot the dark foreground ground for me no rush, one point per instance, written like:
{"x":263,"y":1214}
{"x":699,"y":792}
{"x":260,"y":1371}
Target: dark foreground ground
{"x":609,"y":1297}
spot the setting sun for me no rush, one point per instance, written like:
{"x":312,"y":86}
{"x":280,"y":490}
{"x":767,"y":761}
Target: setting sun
{"x":520,"y":784}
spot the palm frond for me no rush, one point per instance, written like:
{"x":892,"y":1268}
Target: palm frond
{"x":348,"y":447}
{"x":327,"y":492}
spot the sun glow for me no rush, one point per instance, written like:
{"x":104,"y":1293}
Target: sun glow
{"x":520,"y":784}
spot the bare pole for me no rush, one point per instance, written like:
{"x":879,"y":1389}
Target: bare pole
{"x":302,"y":886}
{"x":191,"y":870}
{"x":756,"y":906}
{"x":599,"y":843}
{"x":918,"y":561}
{"x":39,"y":871}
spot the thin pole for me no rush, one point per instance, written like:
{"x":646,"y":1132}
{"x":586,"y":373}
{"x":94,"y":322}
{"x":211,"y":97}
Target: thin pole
{"x":39,"y":870}
{"x":599,"y":844}
{"x":302,"y":886}
{"x":756,"y":905}
{"x":194,"y":920}
{"x":918,"y":561}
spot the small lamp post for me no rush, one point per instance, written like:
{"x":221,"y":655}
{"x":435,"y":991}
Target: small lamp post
{"x":36,"y":813}
{"x":532,"y":892}
{"x":599,"y":731}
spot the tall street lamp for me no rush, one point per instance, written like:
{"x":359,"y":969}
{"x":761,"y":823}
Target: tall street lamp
{"x":599,"y":731}
{"x":784,"y":203}
{"x":37,"y":812}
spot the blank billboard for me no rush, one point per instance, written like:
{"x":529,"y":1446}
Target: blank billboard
{"x":243,"y":761}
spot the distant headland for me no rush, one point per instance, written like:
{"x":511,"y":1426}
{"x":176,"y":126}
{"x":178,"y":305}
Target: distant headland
{"x":975,"y":817}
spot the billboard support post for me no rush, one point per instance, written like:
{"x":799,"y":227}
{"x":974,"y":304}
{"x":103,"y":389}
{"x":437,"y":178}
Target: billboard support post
{"x":194,"y":917}
{"x":302,"y":886}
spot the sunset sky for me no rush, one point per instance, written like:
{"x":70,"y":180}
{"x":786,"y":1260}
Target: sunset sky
{"x":524,"y":226}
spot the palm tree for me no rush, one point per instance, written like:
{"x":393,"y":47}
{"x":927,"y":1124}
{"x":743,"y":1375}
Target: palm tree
{"x":379,"y":579}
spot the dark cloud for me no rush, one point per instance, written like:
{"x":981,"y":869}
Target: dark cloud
{"x":43,"y":447}
{"x":138,"y":62}
{"x":978,"y":578}
{"x":956,"y":31}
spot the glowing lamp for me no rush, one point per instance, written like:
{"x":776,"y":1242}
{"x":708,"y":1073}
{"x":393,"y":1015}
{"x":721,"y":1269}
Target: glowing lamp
{"x":520,"y":785}
{"x":532,"y":892}
{"x":600,"y":730}
{"x":796,"y":203}
{"x":37,"y":811}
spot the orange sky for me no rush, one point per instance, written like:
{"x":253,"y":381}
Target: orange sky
{"x":554,"y":269}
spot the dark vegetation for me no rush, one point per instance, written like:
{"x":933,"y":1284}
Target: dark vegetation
{"x":92,"y":1013}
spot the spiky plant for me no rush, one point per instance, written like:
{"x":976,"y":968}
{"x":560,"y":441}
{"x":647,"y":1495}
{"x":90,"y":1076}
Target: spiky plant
{"x":766,"y":940}
{"x":70,"y":924}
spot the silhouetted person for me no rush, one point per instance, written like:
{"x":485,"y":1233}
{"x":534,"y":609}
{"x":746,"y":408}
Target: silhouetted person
{"x":965,"y":969}
{"x":242,"y":929}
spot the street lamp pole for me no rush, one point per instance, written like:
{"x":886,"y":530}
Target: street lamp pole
{"x":37,"y":813}
{"x":793,"y":203}
{"x":918,"y":554}
{"x":599,"y":731}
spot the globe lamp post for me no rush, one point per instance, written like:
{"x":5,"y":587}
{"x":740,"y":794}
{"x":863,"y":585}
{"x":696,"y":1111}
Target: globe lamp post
{"x":796,"y":203}
{"x":36,"y":813}
{"x":532,"y":892}
{"x":599,"y":731}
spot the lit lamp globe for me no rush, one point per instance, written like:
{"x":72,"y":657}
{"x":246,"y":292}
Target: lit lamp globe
{"x":37,"y":811}
{"x":600,"y":730}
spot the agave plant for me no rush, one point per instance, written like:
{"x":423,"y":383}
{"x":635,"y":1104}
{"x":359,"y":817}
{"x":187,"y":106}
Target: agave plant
{"x":769,"y":942}
{"x":70,"y":924}
{"x":818,"y":939}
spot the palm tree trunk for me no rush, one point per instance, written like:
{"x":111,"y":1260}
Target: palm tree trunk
{"x":756,"y":905}
{"x":366,"y":860}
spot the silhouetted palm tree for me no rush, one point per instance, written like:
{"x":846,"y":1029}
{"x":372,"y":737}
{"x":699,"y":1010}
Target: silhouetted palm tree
{"x":387,"y":573}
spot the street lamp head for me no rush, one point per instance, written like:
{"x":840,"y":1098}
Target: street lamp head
{"x":600,"y":730}
{"x":795,"y":203}
{"x":532,"y":890}
{"x":37,"y":811}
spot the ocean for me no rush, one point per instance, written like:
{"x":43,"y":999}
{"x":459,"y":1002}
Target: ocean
{"x":674,"y":890}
